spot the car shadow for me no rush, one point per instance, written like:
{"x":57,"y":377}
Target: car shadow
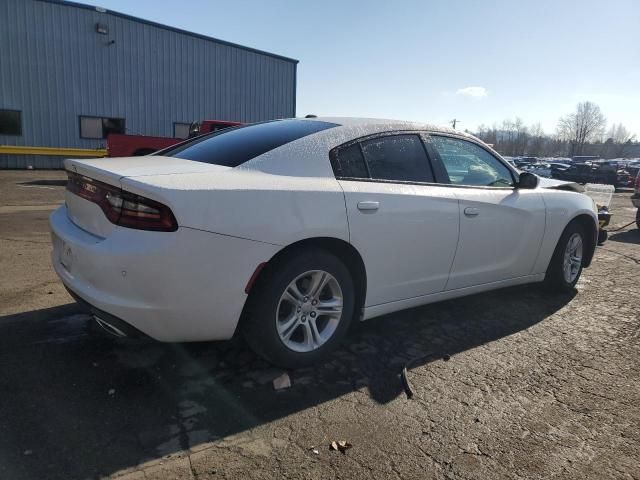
{"x":629,"y":236}
{"x":76,"y":403}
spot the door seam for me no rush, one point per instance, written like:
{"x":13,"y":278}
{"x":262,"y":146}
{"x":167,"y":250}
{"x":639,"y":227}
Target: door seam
{"x":455,"y":253}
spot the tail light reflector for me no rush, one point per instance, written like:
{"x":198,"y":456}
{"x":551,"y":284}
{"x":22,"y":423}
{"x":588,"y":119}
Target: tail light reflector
{"x":123,"y":208}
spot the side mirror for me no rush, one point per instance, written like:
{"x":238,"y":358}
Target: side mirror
{"x":527,"y":180}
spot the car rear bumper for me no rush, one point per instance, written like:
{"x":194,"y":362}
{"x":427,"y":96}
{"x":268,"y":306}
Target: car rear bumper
{"x":178,"y":286}
{"x":113,"y":325}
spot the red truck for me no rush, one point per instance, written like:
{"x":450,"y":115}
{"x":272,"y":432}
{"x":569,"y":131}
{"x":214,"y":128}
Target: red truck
{"x":124,"y":145}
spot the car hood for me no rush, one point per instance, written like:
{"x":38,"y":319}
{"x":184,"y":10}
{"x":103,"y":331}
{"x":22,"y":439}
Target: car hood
{"x":560,"y":185}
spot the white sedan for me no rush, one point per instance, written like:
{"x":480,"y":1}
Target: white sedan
{"x":289,"y":230}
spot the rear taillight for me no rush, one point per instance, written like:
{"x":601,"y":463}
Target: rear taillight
{"x":123,"y":208}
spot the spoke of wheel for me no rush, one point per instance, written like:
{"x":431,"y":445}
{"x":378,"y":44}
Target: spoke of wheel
{"x":318,"y":282}
{"x":330,"y":307}
{"x":311,"y":335}
{"x":574,"y":244}
{"x":288,"y":327}
{"x":290,"y":297}
{"x":293,"y":293}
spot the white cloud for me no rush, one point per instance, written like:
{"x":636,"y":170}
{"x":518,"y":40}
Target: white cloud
{"x":472,"y":92}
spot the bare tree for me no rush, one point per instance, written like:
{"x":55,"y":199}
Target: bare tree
{"x":618,"y":138}
{"x":521,"y":136}
{"x":536,"y":140}
{"x":619,"y":134}
{"x":584,"y":125}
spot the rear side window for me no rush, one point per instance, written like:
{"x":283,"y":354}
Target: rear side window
{"x":349,"y":163}
{"x":234,"y":146}
{"x":397,"y":157}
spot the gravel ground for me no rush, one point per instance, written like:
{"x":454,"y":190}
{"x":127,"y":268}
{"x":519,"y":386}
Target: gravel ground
{"x":509,"y":384}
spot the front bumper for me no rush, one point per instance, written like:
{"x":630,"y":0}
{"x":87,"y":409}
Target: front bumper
{"x":178,"y":286}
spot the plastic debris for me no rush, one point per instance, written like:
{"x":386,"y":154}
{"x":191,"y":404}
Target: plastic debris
{"x":340,"y":446}
{"x":314,"y":450}
{"x":282,"y":382}
{"x":112,"y":391}
{"x":405,"y":383}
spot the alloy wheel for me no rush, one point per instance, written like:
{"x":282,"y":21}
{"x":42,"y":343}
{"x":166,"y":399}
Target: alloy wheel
{"x":309,"y":311}
{"x":572,"y":258}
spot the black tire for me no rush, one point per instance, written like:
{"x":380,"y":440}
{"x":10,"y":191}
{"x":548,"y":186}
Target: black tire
{"x":638,"y":218}
{"x":554,"y":280}
{"x":259,"y":324}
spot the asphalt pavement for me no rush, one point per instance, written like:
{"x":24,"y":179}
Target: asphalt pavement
{"x":509,"y":384}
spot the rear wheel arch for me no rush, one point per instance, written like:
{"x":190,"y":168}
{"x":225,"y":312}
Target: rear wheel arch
{"x":344,"y":251}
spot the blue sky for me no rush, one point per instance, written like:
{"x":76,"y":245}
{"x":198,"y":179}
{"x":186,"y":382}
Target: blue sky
{"x":417,"y":59}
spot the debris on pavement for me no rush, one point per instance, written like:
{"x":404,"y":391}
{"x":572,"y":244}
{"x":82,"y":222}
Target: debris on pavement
{"x":405,"y":383}
{"x":341,"y":446}
{"x":112,"y":391}
{"x":404,"y":378}
{"x":28,"y":452}
{"x":315,"y":450}
{"x":282,"y":382}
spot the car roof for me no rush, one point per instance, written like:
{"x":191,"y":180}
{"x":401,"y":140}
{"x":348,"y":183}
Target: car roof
{"x":308,"y":156}
{"x":388,"y":123}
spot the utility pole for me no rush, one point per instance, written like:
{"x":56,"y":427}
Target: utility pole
{"x":454,"y":122}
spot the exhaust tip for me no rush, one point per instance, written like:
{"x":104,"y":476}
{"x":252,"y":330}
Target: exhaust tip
{"x":110,"y":329}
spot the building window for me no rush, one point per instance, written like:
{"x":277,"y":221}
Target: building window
{"x":10,"y":122}
{"x":181,"y":130}
{"x":100,"y":127}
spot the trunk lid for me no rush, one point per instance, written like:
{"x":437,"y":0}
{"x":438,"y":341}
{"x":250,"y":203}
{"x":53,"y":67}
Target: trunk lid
{"x":110,"y":171}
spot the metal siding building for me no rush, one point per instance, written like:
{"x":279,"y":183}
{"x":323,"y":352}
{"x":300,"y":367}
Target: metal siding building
{"x":56,"y":67}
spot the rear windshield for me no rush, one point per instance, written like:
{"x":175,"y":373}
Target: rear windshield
{"x":234,"y":146}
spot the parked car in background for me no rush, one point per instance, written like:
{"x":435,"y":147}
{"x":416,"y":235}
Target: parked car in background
{"x":633,"y":167}
{"x":635,"y":199}
{"x":595,"y":172}
{"x":545,"y":169}
{"x":289,"y":230}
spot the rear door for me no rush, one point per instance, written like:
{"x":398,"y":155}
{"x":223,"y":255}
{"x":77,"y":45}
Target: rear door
{"x":501,"y":227}
{"x":404,"y":226}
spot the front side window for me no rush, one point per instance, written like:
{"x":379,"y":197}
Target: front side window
{"x":100,"y":127}
{"x":10,"y":122}
{"x":397,"y":157}
{"x":469,"y":164}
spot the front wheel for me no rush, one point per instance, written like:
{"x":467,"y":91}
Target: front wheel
{"x":565,"y":266}
{"x":302,"y":309}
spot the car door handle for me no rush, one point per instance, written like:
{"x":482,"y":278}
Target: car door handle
{"x":471,"y":212}
{"x":368,"y":206}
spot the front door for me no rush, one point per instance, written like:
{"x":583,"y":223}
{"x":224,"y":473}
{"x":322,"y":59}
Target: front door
{"x":501,"y":227}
